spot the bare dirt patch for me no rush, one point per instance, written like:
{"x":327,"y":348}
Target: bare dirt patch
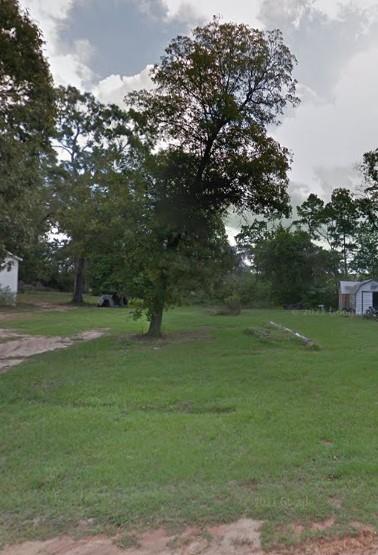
{"x":6,"y":316}
{"x":53,"y":306}
{"x":239,"y":538}
{"x":323,"y":525}
{"x":65,"y":546}
{"x":16,"y":347}
{"x":366,"y":543}
{"x":29,"y":310}
{"x":89,"y":335}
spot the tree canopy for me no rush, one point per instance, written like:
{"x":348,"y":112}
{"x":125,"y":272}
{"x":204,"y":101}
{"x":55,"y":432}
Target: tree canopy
{"x":334,"y":222}
{"x":298,"y":270}
{"x":91,"y":139}
{"x":370,"y":168}
{"x":215,"y":95}
{"x":26,"y":119}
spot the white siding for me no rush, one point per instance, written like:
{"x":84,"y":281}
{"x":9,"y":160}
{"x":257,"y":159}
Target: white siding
{"x":9,"y":274}
{"x":364,"y":300}
{"x":364,"y":296}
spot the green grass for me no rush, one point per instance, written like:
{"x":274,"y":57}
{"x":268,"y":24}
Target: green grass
{"x":193,"y":429}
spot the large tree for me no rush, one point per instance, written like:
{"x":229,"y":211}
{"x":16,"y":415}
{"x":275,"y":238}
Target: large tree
{"x":365,"y":259}
{"x":136,"y":252}
{"x":26,"y":118}
{"x":91,"y":139}
{"x":299,"y":270}
{"x":216,"y":93}
{"x":333,"y":223}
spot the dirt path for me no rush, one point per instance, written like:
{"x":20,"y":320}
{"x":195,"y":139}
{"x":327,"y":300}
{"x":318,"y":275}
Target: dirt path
{"x":16,"y":347}
{"x":239,"y":538}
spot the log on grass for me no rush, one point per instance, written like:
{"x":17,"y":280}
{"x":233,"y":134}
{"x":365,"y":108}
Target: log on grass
{"x":306,"y":340}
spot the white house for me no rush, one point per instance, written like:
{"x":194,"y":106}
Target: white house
{"x":358,"y":296}
{"x":9,"y":273}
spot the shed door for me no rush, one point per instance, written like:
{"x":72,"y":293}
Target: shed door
{"x":375,"y":299}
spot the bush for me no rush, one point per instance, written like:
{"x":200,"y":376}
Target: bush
{"x":7,"y":298}
{"x":232,"y":306}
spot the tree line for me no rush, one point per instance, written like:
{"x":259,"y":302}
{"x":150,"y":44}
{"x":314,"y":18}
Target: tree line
{"x":134,"y":198}
{"x":325,"y":242}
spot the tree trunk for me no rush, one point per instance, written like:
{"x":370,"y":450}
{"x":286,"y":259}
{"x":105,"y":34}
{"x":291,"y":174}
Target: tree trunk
{"x":79,"y":281}
{"x":345,"y":257}
{"x":154,"y":329}
{"x":157,"y":308}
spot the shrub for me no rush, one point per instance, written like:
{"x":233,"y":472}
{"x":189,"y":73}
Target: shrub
{"x":233,"y":304}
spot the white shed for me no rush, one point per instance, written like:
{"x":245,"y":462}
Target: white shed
{"x":9,"y":273}
{"x":358,"y":296}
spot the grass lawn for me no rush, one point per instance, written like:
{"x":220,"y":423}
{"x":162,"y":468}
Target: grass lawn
{"x":205,"y":427}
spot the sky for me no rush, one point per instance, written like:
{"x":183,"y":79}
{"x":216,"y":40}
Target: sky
{"x":108,"y":46}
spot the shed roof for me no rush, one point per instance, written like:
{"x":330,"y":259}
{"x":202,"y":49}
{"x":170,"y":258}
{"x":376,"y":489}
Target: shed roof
{"x":349,"y":287}
{"x":374,"y":284}
{"x":352,"y":287}
{"x":13,"y":256}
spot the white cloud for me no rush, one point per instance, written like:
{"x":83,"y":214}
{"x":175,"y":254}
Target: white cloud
{"x":328,"y":140}
{"x":338,"y":52}
{"x":247,"y":11}
{"x":55,"y":9}
{"x":48,"y":14}
{"x":68,"y":67}
{"x":242,"y":10}
{"x":72,"y":68}
{"x":115,"y":87}
{"x":332,"y":7}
